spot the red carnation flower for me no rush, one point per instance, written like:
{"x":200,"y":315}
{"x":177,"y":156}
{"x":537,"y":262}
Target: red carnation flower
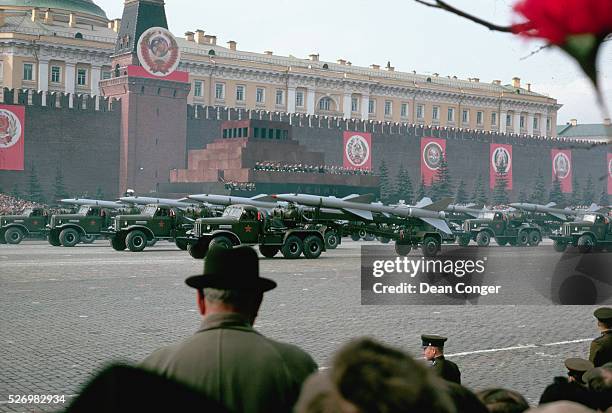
{"x":556,"y":20}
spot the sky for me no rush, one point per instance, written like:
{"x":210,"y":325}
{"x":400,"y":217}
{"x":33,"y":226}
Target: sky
{"x":409,"y":35}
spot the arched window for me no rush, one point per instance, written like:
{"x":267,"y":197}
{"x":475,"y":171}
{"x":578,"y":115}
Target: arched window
{"x":78,"y":35}
{"x":325,"y":103}
{"x":325,"y":66}
{"x":211,"y":52}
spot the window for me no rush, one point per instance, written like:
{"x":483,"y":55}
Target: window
{"x":220,"y":91}
{"x":420,"y":111}
{"x":354,"y":104}
{"x":479,"y":117}
{"x":197,"y":88}
{"x":55,"y":74}
{"x":435,"y":113}
{"x":106,"y":74}
{"x":451,"y":114}
{"x":280,"y":97}
{"x":28,"y":71}
{"x":81,"y":77}
{"x":388,"y":107}
{"x":404,"y":110}
{"x":535,"y":123}
{"x":1,"y":70}
{"x":260,"y":95}
{"x":240,"y":93}
{"x":325,"y":103}
{"x":522,"y":121}
{"x":494,"y":119}
{"x":548,"y":124}
{"x":465,"y":116}
{"x":299,"y":99}
{"x":508,"y":120}
{"x":372,"y":107}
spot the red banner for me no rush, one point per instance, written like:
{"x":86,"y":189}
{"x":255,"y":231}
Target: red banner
{"x":562,"y":168}
{"x":501,"y":163}
{"x":12,"y":122}
{"x":609,"y":166}
{"x":357,"y":150}
{"x":433,"y":150}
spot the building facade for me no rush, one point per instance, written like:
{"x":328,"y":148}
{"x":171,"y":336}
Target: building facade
{"x":65,"y":46}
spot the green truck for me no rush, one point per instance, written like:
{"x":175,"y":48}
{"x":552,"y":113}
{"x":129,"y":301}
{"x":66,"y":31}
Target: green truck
{"x":87,"y":224}
{"x":155,"y":222}
{"x":505,"y":228}
{"x":591,"y":232}
{"x":30,"y":224}
{"x":248,"y":225}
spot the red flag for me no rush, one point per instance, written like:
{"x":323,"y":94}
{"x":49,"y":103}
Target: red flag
{"x":357,"y":150}
{"x":501,"y":163}
{"x":562,"y":168}
{"x":433,"y":150}
{"x":12,"y":121}
{"x":609,"y":173}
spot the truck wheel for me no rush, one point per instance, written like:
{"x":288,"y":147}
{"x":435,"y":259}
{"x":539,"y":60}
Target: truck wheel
{"x":268,"y":251}
{"x":522,"y":239}
{"x":355,"y":237}
{"x":369,"y":237}
{"x":483,"y":239}
{"x":13,"y":236}
{"x":152,"y":242}
{"x":136,"y":241}
{"x":197,"y":250}
{"x":313,"y":246}
{"x":402,"y":249}
{"x":2,"y":239}
{"x":181,"y":244}
{"x":384,"y":240}
{"x":88,"y":239}
{"x":118,"y":243}
{"x":69,"y":237}
{"x":362,"y":233}
{"x":430,"y":246}
{"x":501,"y":242}
{"x":534,"y":238}
{"x":331,"y":240}
{"x":220,"y":242}
{"x":54,"y":239}
{"x":293,"y":247}
{"x":586,"y":243}
{"x":463,"y":240}
{"x":559,"y":245}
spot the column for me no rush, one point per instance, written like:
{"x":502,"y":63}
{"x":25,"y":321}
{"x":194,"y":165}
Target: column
{"x":70,"y":81}
{"x":502,"y":121}
{"x":310,"y":101}
{"x":517,"y":122}
{"x":346,"y":105}
{"x":96,"y":75}
{"x":43,"y":79}
{"x":365,"y":106}
{"x":529,"y":120}
{"x":291,"y":99}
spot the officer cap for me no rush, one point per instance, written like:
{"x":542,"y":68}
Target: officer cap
{"x":433,"y":340}
{"x":578,"y":365}
{"x":603,"y":314}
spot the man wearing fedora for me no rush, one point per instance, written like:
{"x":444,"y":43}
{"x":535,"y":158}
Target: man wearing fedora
{"x":226,"y":358}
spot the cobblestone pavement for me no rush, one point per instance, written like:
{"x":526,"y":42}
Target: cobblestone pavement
{"x":67,"y":312}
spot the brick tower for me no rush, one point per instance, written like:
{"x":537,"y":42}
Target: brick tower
{"x":153,"y":97}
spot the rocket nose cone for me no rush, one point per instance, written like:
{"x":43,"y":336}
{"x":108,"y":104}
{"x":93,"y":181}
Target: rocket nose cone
{"x":442,"y":215}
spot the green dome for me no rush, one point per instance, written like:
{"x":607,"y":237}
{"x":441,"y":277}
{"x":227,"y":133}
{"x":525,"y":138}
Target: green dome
{"x":78,"y":6}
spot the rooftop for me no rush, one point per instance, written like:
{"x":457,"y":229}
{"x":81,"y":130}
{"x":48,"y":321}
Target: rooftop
{"x":78,"y":6}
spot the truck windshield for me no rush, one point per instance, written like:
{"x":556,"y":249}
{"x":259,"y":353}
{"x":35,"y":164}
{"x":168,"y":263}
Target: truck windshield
{"x":590,"y":218}
{"x":150,"y":211}
{"x":27,"y":212}
{"x":487,"y":215}
{"x":83,"y":210}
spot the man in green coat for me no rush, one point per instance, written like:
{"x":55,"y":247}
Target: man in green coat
{"x":433,"y":351}
{"x":601,"y":347}
{"x":227,"y":359}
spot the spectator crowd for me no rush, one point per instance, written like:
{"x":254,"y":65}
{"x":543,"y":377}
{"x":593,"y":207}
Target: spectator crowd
{"x":271,"y":166}
{"x":240,"y":186}
{"x":12,"y":205}
{"x":227,"y":366}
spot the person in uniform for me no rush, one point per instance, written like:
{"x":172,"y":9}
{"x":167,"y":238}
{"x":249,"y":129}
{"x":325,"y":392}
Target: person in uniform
{"x":601,"y":347}
{"x":576,"y":367}
{"x":433,"y":350}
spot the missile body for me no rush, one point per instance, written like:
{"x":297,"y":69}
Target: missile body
{"x":259,"y":201}
{"x":562,"y":214}
{"x":98,"y":202}
{"x":143,"y":200}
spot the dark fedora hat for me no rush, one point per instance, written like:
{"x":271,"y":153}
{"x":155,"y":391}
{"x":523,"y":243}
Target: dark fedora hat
{"x":231,"y":269}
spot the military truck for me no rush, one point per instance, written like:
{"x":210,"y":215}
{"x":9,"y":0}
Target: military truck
{"x":30,"y":224}
{"x":84,"y":226}
{"x":155,"y":222}
{"x":248,"y":225}
{"x":591,"y":232}
{"x":504,"y":227}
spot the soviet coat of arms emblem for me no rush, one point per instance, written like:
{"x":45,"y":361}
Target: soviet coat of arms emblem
{"x":501,"y":160}
{"x":158,"y":51}
{"x":561,"y":165}
{"x":357,"y":150}
{"x":432,"y":155}
{"x":10,"y":129}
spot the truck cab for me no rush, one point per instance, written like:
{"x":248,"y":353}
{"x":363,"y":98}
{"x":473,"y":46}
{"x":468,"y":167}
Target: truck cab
{"x":504,"y":227}
{"x":83,"y":226}
{"x":590,"y":232}
{"x":30,"y":224}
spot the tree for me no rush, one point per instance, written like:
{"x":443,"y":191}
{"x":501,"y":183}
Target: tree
{"x":15,"y":192}
{"x":500,"y":190}
{"x":604,"y":200}
{"x":35,"y":192}
{"x":421,"y":191}
{"x":403,"y":186}
{"x":556,"y":194}
{"x":522,"y":196}
{"x":385,"y":185}
{"x":461,"y":194}
{"x":59,"y":189}
{"x":588,"y":196}
{"x":441,"y":185}
{"x":480,"y":195}
{"x":99,"y":193}
{"x":576,"y":191}
{"x":538,"y":196}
